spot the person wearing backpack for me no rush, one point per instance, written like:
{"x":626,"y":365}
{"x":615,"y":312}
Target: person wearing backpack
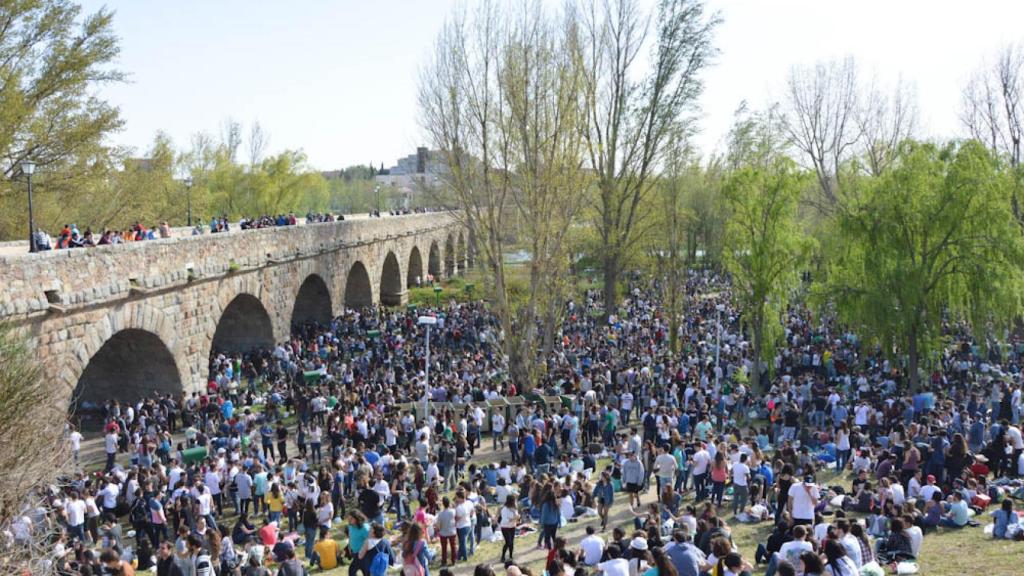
{"x":138,"y":515}
{"x":415,"y":560}
{"x":200,"y":556}
{"x":376,"y":555}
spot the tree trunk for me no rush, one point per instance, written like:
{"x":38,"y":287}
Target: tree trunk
{"x":519,"y":367}
{"x":912,"y":359}
{"x":673,"y":306}
{"x":755,"y":372}
{"x":611,"y":276}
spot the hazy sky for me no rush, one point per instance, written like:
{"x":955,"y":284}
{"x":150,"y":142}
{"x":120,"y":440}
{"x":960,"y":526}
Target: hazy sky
{"x":338,"y":78}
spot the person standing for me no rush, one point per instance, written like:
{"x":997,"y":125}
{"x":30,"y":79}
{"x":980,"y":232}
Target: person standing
{"x":740,"y":485}
{"x":604,"y":494}
{"x":110,"y":448}
{"x":664,"y":467}
{"x":633,"y":477}
{"x":282,"y":442}
{"x":243,"y":483}
{"x":508,"y":522}
{"x":75,"y":439}
{"x":803,"y":498}
{"x":447,"y":531}
{"x":699,"y":469}
{"x":463,"y":523}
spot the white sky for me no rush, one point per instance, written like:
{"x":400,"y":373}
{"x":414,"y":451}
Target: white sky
{"x":338,"y":78}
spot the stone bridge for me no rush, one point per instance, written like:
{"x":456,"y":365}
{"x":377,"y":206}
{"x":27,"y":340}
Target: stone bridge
{"x":130,"y":320}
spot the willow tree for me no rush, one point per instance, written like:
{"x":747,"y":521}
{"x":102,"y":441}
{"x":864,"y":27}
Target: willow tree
{"x":501,"y":100}
{"x":53,"y":58}
{"x":634,"y":109}
{"x":764,"y":247}
{"x":932,"y":240}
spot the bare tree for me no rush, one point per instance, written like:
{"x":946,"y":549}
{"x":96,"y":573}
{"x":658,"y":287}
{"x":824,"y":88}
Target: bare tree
{"x":32,"y":456}
{"x":501,"y":101}
{"x":993,"y":110}
{"x":231,"y":138}
{"x":258,"y":141}
{"x":821,"y":121}
{"x":885,"y":120}
{"x":632,"y":114}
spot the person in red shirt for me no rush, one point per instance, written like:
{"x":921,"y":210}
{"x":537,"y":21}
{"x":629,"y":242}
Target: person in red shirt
{"x":268,"y":534}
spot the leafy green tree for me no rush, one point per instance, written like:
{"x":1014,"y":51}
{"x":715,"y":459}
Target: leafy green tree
{"x":764,"y":247}
{"x":933,"y":239}
{"x":283,"y":184}
{"x":52,"y":59}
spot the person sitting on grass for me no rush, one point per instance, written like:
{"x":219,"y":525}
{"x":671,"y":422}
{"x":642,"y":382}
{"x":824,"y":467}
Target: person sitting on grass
{"x":956,"y":512}
{"x":326,"y":552}
{"x":1005,"y":517}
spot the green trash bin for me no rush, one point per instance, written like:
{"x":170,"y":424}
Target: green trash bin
{"x":194,"y":455}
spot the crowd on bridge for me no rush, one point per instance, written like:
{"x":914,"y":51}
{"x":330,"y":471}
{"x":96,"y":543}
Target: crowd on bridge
{"x":318,"y":452}
{"x":70,"y":236}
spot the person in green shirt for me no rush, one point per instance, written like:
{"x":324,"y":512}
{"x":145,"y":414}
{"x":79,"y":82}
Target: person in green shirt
{"x":358,"y":532}
{"x":610,"y":420}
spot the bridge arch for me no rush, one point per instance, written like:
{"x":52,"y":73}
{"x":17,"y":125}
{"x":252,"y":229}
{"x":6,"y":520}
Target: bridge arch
{"x":414,"y":270}
{"x":244,"y":325}
{"x":449,"y":257}
{"x":131,"y":365}
{"x":312,"y":302}
{"x":391,"y":290}
{"x":434,"y":260}
{"x":358,"y":290}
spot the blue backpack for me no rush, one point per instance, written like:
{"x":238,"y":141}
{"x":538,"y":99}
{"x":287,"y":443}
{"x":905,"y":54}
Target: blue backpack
{"x":381,"y":561}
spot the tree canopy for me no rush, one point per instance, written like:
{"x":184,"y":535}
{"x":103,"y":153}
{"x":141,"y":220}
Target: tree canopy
{"x":931,"y":241}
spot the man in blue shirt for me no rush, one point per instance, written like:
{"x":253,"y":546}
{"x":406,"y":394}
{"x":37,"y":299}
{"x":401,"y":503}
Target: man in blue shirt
{"x":530,"y":450}
{"x":684,"y":556}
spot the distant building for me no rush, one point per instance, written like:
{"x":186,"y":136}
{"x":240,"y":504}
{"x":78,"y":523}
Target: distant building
{"x":414,"y":175}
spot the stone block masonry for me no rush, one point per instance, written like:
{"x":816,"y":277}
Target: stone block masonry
{"x":135,"y":319}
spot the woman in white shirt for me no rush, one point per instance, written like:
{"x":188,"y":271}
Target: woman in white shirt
{"x":325,"y":513}
{"x":508,"y":520}
{"x":566,"y":506}
{"x":842,"y":447}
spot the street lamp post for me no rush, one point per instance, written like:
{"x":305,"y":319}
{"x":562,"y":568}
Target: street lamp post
{"x":427,"y":321}
{"x":718,"y":345}
{"x":27,"y":168}
{"x":376,"y":190}
{"x":188,"y":187}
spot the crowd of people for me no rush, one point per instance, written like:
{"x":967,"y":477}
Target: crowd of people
{"x":71,"y":237}
{"x":318,"y":452}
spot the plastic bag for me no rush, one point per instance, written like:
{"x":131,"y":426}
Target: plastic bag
{"x":907,"y":568}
